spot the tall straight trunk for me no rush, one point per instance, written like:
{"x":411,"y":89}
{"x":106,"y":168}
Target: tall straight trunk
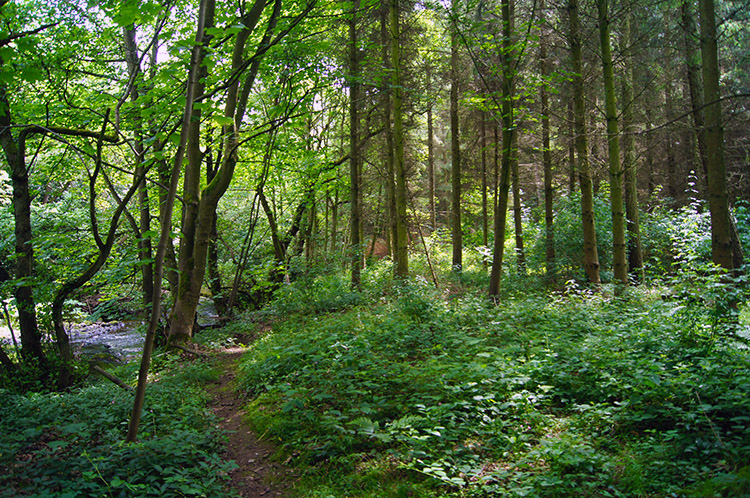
{"x":456,"y":232}
{"x":549,"y":226}
{"x":635,"y":251}
{"x":695,"y":88}
{"x":144,"y":223}
{"x":718,"y":201}
{"x":572,"y":173}
{"x":431,"y":165}
{"x":619,"y":248}
{"x":590,"y":252}
{"x":354,"y":160}
{"x":390,"y":181}
{"x":485,"y":211}
{"x":673,"y":189}
{"x":517,"y":210}
{"x":402,"y":261}
{"x":501,"y":213}
{"x":334,"y":220}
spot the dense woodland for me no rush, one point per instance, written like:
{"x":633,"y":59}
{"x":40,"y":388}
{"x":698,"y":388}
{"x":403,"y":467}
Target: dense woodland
{"x":488,"y":247}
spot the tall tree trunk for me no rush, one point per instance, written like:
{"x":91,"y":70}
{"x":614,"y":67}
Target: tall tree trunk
{"x":354,"y":160}
{"x":144,"y":240}
{"x":456,"y":231}
{"x":485,"y":211}
{"x":695,"y":88}
{"x":402,"y":261}
{"x":390,"y":181}
{"x":517,"y":210}
{"x":508,"y":120}
{"x":635,"y":251}
{"x":572,"y":172}
{"x":718,"y":202}
{"x":619,"y":249}
{"x":15,"y":154}
{"x":590,"y":252}
{"x":431,"y":162}
{"x":673,"y":189}
{"x":549,"y":225}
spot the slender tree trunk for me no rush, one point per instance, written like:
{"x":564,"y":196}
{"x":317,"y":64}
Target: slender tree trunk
{"x":402,"y":261}
{"x":619,"y":248}
{"x":390,"y":181}
{"x":546,"y":155}
{"x":718,"y":202}
{"x":200,"y":209}
{"x":635,"y":251}
{"x":456,"y":231}
{"x":590,"y":253}
{"x":506,"y":65}
{"x":572,"y":172}
{"x":431,"y":165}
{"x":673,"y":189}
{"x":354,"y":160}
{"x":485,"y":210}
{"x":517,"y":209}
{"x":144,"y":239}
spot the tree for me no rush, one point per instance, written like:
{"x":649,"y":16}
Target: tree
{"x":590,"y":251}
{"x":456,"y":230}
{"x":200,"y":204}
{"x":721,"y":243}
{"x":354,"y":161}
{"x":619,"y":257}
{"x":402,"y":257}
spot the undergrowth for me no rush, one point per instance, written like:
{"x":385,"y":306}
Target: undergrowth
{"x":570,"y":394}
{"x":71,"y":444}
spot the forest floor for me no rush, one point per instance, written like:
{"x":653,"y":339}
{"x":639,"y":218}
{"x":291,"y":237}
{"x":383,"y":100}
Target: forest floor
{"x":256,"y":475}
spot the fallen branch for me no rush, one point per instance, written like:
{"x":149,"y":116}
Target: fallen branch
{"x":191,"y":351}
{"x":111,"y":377}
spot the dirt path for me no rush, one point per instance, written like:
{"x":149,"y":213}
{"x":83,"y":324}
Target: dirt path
{"x":257,"y":475}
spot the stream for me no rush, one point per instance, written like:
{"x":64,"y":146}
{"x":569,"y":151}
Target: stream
{"x":116,"y":341}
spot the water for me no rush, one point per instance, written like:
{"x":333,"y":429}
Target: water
{"x":110,"y":342}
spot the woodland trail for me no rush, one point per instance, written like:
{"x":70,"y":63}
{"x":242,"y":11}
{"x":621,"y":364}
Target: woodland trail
{"x":256,"y":476}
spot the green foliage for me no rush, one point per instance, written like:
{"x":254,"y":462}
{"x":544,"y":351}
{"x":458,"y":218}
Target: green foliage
{"x":70,"y":444}
{"x":576,"y":394}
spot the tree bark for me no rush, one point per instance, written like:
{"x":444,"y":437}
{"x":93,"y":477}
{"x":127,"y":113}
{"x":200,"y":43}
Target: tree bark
{"x":718,"y":202}
{"x":549,"y":225}
{"x":508,"y":122}
{"x":456,"y":230}
{"x":590,"y":252}
{"x":15,"y":154}
{"x":354,"y":160}
{"x":144,"y":228}
{"x":619,"y":249}
{"x":402,"y":256}
{"x":630,"y":166}
{"x":517,"y":211}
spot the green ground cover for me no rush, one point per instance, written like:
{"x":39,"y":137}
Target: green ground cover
{"x":71,"y":444}
{"x":404,"y":392}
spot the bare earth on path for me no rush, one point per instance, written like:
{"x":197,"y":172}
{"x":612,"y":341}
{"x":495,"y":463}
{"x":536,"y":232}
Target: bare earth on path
{"x":257,"y":475}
